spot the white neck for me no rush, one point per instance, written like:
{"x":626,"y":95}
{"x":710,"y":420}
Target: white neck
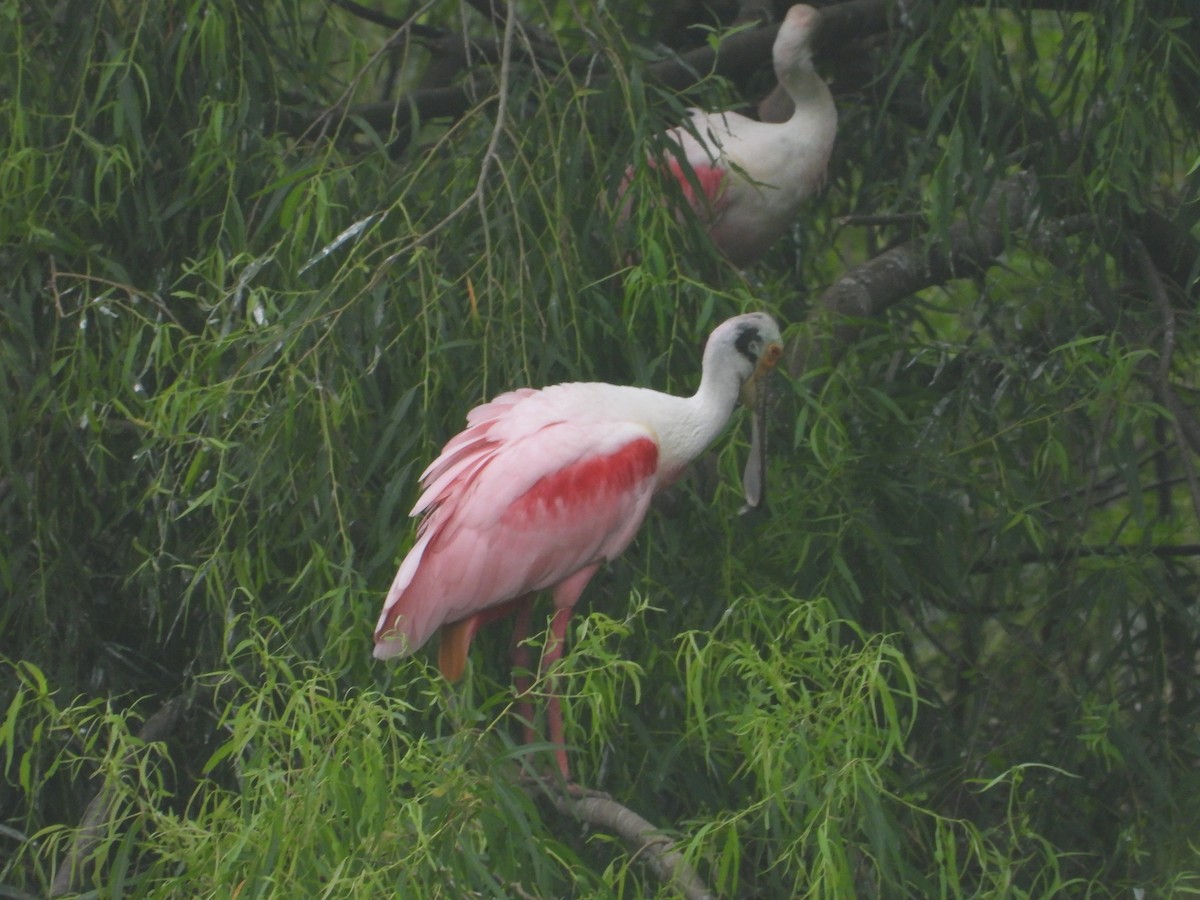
{"x":710,"y":408}
{"x":802,"y":83}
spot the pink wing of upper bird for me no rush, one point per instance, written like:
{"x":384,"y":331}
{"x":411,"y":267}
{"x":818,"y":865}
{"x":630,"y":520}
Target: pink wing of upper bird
{"x":542,"y":487}
{"x":754,"y":175}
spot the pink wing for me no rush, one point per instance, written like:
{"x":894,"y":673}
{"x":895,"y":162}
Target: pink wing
{"x":517,"y":502}
{"x":705,"y":162}
{"x":708,"y":178}
{"x":707,"y":175}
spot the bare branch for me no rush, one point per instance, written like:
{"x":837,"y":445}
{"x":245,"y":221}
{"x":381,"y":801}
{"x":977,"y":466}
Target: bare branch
{"x":645,"y":840}
{"x":378,"y":18}
{"x":736,"y":57}
{"x":868,"y":290}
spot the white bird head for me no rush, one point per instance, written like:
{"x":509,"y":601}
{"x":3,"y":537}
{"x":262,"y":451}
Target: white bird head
{"x":747,"y":348}
{"x":793,"y":45}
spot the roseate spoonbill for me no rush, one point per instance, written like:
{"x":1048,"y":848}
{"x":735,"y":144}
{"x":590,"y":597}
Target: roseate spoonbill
{"x":752,"y":176}
{"x":546,"y":485}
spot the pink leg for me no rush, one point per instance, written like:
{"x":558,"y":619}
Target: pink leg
{"x":565,"y":595}
{"x":520,"y":656}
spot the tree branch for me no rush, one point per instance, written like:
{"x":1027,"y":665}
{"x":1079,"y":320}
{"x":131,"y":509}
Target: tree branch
{"x":69,"y":876}
{"x":377,"y":18}
{"x":972,"y":244}
{"x":644,"y":839}
{"x":1048,"y":557}
{"x":736,"y":57}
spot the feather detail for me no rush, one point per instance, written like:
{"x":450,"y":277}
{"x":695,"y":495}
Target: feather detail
{"x":504,"y":517}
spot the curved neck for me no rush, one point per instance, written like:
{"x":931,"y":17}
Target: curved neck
{"x":802,"y":82}
{"x":714,"y":401}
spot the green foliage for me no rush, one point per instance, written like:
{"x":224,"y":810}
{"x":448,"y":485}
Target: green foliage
{"x":241,"y":311}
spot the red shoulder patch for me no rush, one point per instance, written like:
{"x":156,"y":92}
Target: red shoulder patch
{"x":709,"y":178}
{"x":588,"y":482}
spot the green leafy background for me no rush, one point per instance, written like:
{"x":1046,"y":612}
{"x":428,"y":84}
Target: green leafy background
{"x":240,"y":314}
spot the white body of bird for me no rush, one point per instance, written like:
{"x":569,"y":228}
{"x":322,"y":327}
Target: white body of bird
{"x":755,"y":175}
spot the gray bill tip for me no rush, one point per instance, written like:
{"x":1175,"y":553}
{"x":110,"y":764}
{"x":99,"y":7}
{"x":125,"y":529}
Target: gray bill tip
{"x":754,"y":476}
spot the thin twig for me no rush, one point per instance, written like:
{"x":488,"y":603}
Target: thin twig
{"x":127,"y":288}
{"x":535,"y":38}
{"x":328,"y":117}
{"x":53,"y":284}
{"x":1047,"y":557}
{"x":489,"y":154}
{"x":867,"y":220}
{"x":489,"y":158}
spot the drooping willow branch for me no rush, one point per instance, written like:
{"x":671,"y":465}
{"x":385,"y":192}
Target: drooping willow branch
{"x":69,"y":877}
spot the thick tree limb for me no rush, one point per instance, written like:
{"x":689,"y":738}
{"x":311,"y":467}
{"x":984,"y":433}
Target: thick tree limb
{"x":971,"y":244}
{"x":646,"y":841}
{"x":737,"y":56}
{"x":378,"y":18}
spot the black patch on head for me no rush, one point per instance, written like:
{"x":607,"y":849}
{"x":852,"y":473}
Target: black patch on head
{"x":749,"y":342}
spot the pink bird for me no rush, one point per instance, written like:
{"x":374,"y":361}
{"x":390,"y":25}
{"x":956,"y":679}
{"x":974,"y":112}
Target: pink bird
{"x":752,"y":176}
{"x":543,"y":487}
